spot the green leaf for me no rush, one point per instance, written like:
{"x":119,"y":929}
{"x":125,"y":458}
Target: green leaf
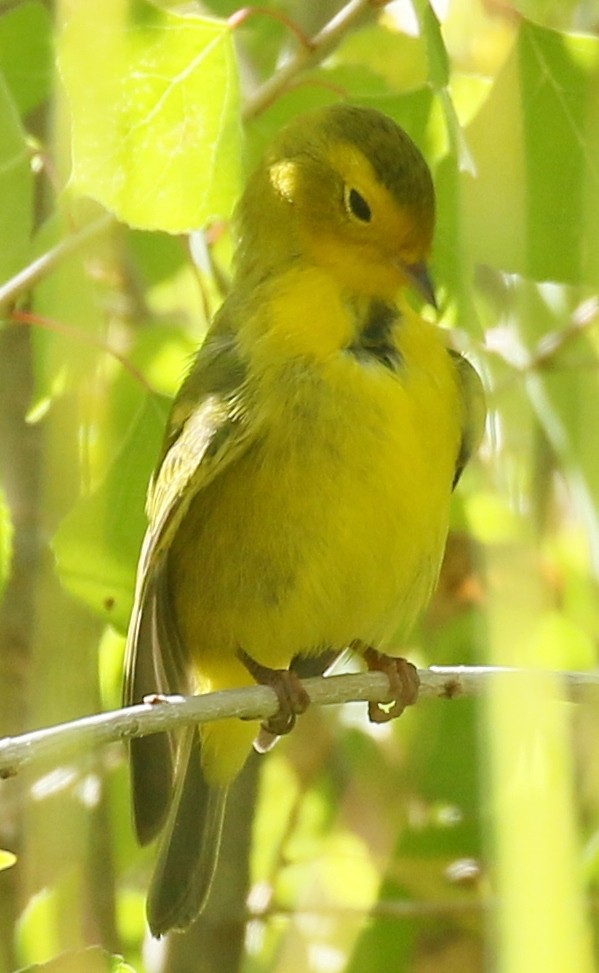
{"x":436,"y":53}
{"x":16,"y":188}
{"x":90,"y":960}
{"x":155,"y":112}
{"x":533,"y":205}
{"x":97,"y":544}
{"x":26,"y":58}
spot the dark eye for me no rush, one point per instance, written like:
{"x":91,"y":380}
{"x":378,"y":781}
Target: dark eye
{"x":357,"y":205}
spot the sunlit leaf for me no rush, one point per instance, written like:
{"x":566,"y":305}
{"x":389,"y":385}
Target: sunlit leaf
{"x":91,"y":960}
{"x":534,"y":144}
{"x":436,"y":52}
{"x":146,"y":141}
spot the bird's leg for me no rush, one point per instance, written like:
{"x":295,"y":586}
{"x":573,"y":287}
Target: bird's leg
{"x":293,"y":698}
{"x":403,"y":681}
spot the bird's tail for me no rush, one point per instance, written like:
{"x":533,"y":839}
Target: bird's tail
{"x":189,"y":845}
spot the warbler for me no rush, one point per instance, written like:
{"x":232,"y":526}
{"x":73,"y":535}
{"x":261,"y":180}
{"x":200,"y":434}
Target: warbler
{"x":301,"y":502}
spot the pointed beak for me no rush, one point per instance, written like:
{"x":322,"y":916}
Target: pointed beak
{"x":419,"y":277}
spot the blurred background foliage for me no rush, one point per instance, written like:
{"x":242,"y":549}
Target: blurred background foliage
{"x":466,"y":837}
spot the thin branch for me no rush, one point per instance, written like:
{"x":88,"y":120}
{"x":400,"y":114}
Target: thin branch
{"x":260,"y":702}
{"x":309,"y":54}
{"x":585,"y":316}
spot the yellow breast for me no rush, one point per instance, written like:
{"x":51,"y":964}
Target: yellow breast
{"x":331,"y":526}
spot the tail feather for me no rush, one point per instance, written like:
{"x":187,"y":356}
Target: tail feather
{"x":151,"y":768}
{"x":155,"y":663}
{"x":189,"y":848}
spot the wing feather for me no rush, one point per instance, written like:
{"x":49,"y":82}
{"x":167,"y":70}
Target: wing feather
{"x":207,"y":431}
{"x":475,"y":412}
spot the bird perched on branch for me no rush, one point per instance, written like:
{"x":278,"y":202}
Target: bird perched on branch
{"x":301,"y":502}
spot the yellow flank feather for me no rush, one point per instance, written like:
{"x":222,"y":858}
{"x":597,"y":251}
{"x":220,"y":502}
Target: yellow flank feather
{"x":302,"y":500}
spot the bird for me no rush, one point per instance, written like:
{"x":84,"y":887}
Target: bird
{"x":301,"y":501}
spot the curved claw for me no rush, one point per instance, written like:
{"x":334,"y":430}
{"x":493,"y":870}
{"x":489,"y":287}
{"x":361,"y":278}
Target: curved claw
{"x":403,"y":681}
{"x":293,"y":698}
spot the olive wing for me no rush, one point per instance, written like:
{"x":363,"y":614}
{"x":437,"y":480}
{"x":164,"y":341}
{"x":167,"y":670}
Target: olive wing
{"x":208,"y":429}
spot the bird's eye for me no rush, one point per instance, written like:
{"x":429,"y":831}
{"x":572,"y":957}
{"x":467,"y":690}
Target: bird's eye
{"x":356,"y":205}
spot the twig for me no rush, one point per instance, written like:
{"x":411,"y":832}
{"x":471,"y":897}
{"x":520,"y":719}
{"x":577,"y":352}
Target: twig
{"x":260,"y":702}
{"x":75,"y":334}
{"x":585,"y":316}
{"x":244,"y":13}
{"x":308,"y":54}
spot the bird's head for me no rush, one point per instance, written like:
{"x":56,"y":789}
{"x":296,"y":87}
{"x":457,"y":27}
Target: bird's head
{"x":344,"y":188}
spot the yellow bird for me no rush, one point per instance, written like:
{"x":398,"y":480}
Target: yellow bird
{"x":301,"y":502}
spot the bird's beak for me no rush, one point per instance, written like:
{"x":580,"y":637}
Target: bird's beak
{"x":419,"y":277}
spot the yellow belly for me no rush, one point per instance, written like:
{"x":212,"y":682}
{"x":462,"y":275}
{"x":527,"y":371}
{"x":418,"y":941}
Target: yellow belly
{"x":329,"y":528}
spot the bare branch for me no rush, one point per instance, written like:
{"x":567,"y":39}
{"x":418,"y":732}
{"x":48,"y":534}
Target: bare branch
{"x":260,"y":702}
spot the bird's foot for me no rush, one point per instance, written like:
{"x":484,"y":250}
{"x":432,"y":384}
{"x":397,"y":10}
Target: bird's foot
{"x":403,"y":681}
{"x":293,"y":698}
